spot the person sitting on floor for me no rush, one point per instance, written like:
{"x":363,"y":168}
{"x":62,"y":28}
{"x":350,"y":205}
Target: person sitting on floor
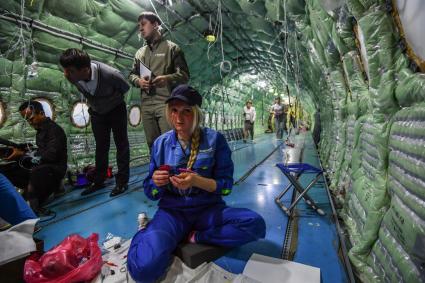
{"x":48,"y":164}
{"x":190,"y":170}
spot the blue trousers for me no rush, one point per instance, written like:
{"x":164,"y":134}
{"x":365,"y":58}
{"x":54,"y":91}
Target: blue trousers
{"x":151,"y":249}
{"x":13,"y":207}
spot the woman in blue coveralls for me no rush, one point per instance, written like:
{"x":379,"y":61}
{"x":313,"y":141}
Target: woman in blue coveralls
{"x":190,"y":169}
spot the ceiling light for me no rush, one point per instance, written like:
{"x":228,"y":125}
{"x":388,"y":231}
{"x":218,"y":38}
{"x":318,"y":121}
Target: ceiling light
{"x":261,"y":84}
{"x":209,"y":36}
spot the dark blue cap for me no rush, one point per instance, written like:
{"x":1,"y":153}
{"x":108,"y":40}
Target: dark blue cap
{"x":187,"y":94}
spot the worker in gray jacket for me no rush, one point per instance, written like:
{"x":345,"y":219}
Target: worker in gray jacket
{"x":158,"y":67}
{"x":104,"y":88}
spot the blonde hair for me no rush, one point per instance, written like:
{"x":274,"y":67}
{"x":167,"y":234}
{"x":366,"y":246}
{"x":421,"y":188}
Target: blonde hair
{"x":195,"y":131}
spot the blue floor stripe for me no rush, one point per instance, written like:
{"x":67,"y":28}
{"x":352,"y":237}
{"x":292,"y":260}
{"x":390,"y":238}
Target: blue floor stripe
{"x":318,"y":241}
{"x":257,"y":192}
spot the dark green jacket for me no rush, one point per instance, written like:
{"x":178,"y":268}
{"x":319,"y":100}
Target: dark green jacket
{"x":162,"y":58}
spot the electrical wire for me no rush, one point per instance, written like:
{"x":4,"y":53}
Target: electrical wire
{"x":18,"y":40}
{"x":52,"y":215}
{"x":136,"y":180}
{"x":63,"y":34}
{"x":286,"y":43}
{"x":225,"y":65}
{"x":210,"y":44}
{"x":169,"y":29}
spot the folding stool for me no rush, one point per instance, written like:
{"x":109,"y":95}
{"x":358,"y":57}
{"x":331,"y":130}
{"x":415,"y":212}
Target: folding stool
{"x":293,"y":172}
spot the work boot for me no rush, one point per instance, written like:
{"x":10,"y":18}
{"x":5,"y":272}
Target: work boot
{"x":119,"y":189}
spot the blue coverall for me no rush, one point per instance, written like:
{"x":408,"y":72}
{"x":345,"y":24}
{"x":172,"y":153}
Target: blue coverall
{"x":13,"y":207}
{"x":200,"y":211}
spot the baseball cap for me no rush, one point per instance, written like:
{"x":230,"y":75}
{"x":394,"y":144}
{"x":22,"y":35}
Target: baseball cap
{"x":187,"y":94}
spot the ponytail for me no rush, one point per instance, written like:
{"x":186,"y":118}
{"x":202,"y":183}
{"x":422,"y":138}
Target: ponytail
{"x":194,"y":147}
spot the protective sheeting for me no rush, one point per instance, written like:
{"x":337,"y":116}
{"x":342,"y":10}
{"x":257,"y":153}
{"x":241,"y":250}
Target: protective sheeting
{"x":368,"y":199}
{"x":357,"y":113}
{"x":60,"y":25}
{"x":402,"y":232}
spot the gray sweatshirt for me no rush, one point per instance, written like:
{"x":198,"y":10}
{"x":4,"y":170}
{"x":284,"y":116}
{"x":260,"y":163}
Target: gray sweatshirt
{"x":110,"y":90}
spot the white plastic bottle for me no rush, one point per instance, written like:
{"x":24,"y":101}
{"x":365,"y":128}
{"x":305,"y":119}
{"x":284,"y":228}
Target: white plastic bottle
{"x":143,"y":220}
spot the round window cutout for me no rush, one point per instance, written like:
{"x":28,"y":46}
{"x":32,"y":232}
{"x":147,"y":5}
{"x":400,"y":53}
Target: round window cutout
{"x":80,"y":115}
{"x":2,"y":114}
{"x":47,"y":107}
{"x":135,"y":116}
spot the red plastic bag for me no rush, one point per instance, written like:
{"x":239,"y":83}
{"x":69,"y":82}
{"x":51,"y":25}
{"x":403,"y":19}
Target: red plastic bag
{"x":74,"y":260}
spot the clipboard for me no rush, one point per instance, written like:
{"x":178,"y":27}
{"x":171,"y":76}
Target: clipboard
{"x":144,"y":71}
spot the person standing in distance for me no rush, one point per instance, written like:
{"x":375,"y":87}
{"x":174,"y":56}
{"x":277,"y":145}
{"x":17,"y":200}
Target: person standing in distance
{"x":249,"y":115}
{"x":168,"y":68}
{"x":279,"y":117}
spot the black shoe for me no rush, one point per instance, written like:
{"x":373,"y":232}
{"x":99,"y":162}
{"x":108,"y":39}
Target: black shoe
{"x":59,"y":193}
{"x":93,"y":188}
{"x":119,"y":189}
{"x":43,"y":212}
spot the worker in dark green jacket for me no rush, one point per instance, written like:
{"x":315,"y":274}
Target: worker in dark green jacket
{"x":158,"y":67}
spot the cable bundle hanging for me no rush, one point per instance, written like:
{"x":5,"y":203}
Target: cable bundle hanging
{"x":225,"y":65}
